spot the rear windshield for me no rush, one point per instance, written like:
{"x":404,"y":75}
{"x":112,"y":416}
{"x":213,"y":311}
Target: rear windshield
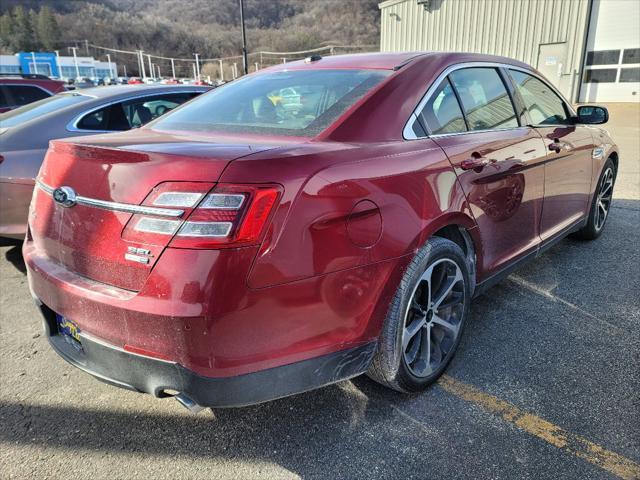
{"x":39,"y":108}
{"x":297,"y":102}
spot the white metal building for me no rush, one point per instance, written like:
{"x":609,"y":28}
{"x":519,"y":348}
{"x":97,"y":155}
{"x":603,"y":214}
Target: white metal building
{"x":590,"y":49}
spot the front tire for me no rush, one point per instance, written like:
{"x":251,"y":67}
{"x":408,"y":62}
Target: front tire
{"x":600,"y":205}
{"x":425,"y":321}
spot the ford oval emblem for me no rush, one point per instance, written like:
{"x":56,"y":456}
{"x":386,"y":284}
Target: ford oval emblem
{"x":65,"y":196}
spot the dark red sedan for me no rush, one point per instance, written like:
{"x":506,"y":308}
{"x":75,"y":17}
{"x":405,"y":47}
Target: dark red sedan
{"x":17,"y":90}
{"x":243,"y":248}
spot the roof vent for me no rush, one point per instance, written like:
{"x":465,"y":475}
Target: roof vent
{"x":313,"y":58}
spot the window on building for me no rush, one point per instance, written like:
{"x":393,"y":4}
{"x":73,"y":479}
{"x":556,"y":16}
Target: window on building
{"x":484,"y":98}
{"x":543,"y":105}
{"x":9,"y":68}
{"x":600,"y":75}
{"x":603,"y":57}
{"x":442,"y":113}
{"x":631,"y":55}
{"x":42,"y":68}
{"x":630,"y":74}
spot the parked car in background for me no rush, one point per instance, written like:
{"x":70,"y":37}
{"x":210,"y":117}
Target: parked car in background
{"x":84,"y":82}
{"x":18,"y":90}
{"x":26,"y":132}
{"x":135,"y":81}
{"x":237,"y":251}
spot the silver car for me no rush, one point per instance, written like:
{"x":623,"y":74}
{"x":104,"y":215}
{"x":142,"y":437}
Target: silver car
{"x":26,"y":131}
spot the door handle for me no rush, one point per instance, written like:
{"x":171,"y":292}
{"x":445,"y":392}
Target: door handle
{"x":557,"y":146}
{"x":476,"y":161}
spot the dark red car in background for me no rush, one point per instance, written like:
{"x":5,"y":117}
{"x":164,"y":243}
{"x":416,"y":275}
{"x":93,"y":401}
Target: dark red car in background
{"x":239,"y":249}
{"x":17,"y":90}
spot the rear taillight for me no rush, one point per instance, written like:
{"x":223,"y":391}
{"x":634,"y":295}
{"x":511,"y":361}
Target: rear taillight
{"x":230,"y":215}
{"x":227,"y":215}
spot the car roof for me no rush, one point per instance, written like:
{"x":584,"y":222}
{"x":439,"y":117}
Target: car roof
{"x":389,"y":60}
{"x":13,"y":80}
{"x":125,"y":90}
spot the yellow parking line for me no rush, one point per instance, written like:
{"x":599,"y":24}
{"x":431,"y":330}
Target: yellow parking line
{"x":547,"y":431}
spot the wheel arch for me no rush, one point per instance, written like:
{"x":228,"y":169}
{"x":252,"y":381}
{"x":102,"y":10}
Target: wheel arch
{"x":462,"y":230}
{"x":615,"y":157}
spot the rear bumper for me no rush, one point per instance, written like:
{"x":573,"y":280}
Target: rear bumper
{"x":150,"y":375}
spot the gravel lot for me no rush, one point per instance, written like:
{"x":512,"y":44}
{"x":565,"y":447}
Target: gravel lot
{"x":545,"y":385}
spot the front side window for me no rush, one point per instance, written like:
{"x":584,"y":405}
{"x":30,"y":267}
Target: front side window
{"x":142,"y":110}
{"x":484,"y":98}
{"x":132,"y":113}
{"x":442,"y":113}
{"x":296,"y":102}
{"x":544,"y":106}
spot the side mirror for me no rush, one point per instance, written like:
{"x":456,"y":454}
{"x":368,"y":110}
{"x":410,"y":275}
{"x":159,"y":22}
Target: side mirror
{"x":592,"y":115}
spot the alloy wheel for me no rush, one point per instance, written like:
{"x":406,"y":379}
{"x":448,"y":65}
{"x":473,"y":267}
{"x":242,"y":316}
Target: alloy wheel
{"x":603,"y":200}
{"x":434,"y":317}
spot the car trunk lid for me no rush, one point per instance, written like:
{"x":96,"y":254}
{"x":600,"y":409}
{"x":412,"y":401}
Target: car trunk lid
{"x":108,"y":179}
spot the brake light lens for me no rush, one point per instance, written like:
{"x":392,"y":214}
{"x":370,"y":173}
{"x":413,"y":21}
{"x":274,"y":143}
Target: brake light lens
{"x":224,"y":216}
{"x":232,"y":215}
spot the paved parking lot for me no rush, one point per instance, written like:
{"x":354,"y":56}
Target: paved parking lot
{"x":545,"y":385}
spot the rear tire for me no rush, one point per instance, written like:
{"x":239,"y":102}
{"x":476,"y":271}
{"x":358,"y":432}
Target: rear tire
{"x":425,"y":320}
{"x":600,"y":205}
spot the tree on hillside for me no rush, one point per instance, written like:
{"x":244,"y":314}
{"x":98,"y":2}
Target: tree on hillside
{"x":6,"y":33}
{"x":23,"y":34}
{"x":47,"y":29}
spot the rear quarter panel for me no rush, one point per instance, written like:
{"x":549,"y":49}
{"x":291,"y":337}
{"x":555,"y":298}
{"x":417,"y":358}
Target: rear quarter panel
{"x":347,"y":206}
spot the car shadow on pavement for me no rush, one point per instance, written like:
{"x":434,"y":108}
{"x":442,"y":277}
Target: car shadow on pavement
{"x":14,"y":254}
{"x":308,"y":434}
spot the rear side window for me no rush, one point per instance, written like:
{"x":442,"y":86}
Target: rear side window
{"x":295,"y":102}
{"x":442,"y":113}
{"x":544,"y":106}
{"x":485,"y":99}
{"x":23,"y":94}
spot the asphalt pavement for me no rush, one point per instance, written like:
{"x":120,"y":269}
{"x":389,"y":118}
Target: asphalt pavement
{"x":545,"y":384}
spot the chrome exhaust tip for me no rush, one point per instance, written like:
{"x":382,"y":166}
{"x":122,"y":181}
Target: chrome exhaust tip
{"x":189,"y":404}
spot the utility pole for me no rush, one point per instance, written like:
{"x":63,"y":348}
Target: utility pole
{"x":221,"y":71}
{"x":124,"y":65}
{"x":75,"y":61}
{"x":158,"y":67}
{"x":86,"y":46}
{"x":245,"y":61}
{"x":151,"y":72}
{"x":197,"y":67}
{"x":195,"y":76}
{"x":173,"y":69}
{"x":141,"y":59}
{"x":110,"y":69}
